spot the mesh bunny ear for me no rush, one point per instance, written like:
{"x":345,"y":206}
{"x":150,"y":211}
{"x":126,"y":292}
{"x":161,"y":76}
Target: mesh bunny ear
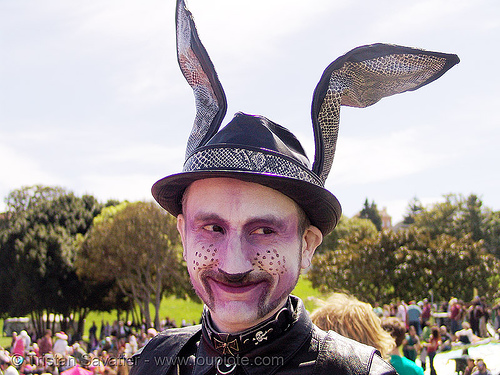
{"x":199,"y":72}
{"x":361,"y":78}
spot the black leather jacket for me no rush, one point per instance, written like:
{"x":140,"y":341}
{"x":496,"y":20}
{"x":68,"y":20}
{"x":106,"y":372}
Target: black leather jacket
{"x":303,"y":349}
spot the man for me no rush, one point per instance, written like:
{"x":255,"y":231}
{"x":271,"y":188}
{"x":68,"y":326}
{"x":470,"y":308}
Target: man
{"x":426,"y":312}
{"x":455,"y":315}
{"x":403,"y":365}
{"x":45,"y":343}
{"x":251,"y":211}
{"x":414,"y":312}
{"x":481,"y":368}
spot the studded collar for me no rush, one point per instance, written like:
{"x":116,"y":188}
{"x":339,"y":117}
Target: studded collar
{"x":242,"y":342}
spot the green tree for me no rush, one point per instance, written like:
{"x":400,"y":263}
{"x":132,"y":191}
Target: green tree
{"x":460,"y":216}
{"x":413,"y":209}
{"x":37,"y":252}
{"x":137,"y":246}
{"x":407,"y":264}
{"x":354,"y":227}
{"x":371,"y":213}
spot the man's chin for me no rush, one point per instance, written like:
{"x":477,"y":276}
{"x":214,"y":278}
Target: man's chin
{"x":236,"y":316}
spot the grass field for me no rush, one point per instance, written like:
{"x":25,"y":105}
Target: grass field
{"x":179,"y":309}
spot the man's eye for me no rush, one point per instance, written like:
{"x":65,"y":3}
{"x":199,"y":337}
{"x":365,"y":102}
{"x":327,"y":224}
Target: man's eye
{"x":263,"y":231}
{"x":214,"y":228}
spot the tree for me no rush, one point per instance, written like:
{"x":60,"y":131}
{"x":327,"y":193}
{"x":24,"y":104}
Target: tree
{"x":460,"y":216}
{"x":407,"y":264}
{"x":37,"y":252}
{"x":137,"y":246}
{"x":354,"y":227}
{"x":370,"y":212}
{"x":413,"y":209}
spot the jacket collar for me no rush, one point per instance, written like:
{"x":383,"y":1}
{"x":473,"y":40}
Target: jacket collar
{"x":245,"y":341}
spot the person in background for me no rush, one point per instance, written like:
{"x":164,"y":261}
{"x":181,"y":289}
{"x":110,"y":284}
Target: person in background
{"x":411,"y":345}
{"x":414,"y":312}
{"x":455,"y":315}
{"x":354,"y":319}
{"x":481,"y":368}
{"x":61,"y":345}
{"x":19,"y":348}
{"x":426,"y":312}
{"x":396,"y":328}
{"x":45,"y":343}
{"x":446,"y":339}
{"x":432,"y":347}
{"x":465,"y":335}
{"x":469,"y":368}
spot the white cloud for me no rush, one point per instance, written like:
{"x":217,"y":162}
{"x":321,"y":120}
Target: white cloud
{"x":384,"y":157}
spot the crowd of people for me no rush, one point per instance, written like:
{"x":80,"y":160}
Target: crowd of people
{"x":410,"y":335}
{"x":108,"y":353}
{"x":407,"y":335}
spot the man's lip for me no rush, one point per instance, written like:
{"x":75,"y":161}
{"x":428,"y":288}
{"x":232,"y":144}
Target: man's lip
{"x":235,"y":287}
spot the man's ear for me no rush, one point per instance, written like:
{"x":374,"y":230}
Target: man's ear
{"x":181,"y":228}
{"x":311,"y":239}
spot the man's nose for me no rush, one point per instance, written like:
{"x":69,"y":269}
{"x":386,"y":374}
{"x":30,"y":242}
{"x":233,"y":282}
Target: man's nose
{"x":236,"y":257}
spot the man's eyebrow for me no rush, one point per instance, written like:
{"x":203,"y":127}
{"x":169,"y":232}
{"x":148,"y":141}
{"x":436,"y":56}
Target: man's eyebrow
{"x":274,"y":221}
{"x":207,"y":216}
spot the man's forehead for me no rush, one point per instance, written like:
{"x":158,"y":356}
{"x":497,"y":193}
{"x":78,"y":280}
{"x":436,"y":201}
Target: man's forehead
{"x":234,"y":187}
{"x":230,"y":190}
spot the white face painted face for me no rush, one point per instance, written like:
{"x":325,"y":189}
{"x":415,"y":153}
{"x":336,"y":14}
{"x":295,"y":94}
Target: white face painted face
{"x":243,"y":250}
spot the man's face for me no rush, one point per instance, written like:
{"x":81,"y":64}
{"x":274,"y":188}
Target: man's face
{"x":243,"y":250}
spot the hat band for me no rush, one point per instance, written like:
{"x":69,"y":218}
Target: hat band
{"x":245,"y":160}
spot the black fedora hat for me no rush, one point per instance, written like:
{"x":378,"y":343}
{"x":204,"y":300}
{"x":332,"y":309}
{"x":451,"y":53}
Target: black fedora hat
{"x":255,"y":149}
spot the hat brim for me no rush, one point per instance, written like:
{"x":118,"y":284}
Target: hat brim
{"x":321,"y":207}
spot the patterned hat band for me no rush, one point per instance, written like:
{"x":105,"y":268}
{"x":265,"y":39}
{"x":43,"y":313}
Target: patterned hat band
{"x":244,"y":159}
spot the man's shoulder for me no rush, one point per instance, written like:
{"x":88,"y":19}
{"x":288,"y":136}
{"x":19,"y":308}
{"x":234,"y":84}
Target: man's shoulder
{"x":153,"y":358}
{"x":170,"y":338}
{"x":342,"y":355}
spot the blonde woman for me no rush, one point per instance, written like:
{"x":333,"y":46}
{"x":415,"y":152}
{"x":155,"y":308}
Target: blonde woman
{"x":354,"y":319}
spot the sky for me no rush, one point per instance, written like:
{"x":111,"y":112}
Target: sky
{"x":92,"y":98}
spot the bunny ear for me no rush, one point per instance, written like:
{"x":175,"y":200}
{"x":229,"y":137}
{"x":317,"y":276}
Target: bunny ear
{"x":361,"y":78}
{"x":199,"y":72}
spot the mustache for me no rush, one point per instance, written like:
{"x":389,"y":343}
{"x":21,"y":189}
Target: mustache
{"x":236,"y":279}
